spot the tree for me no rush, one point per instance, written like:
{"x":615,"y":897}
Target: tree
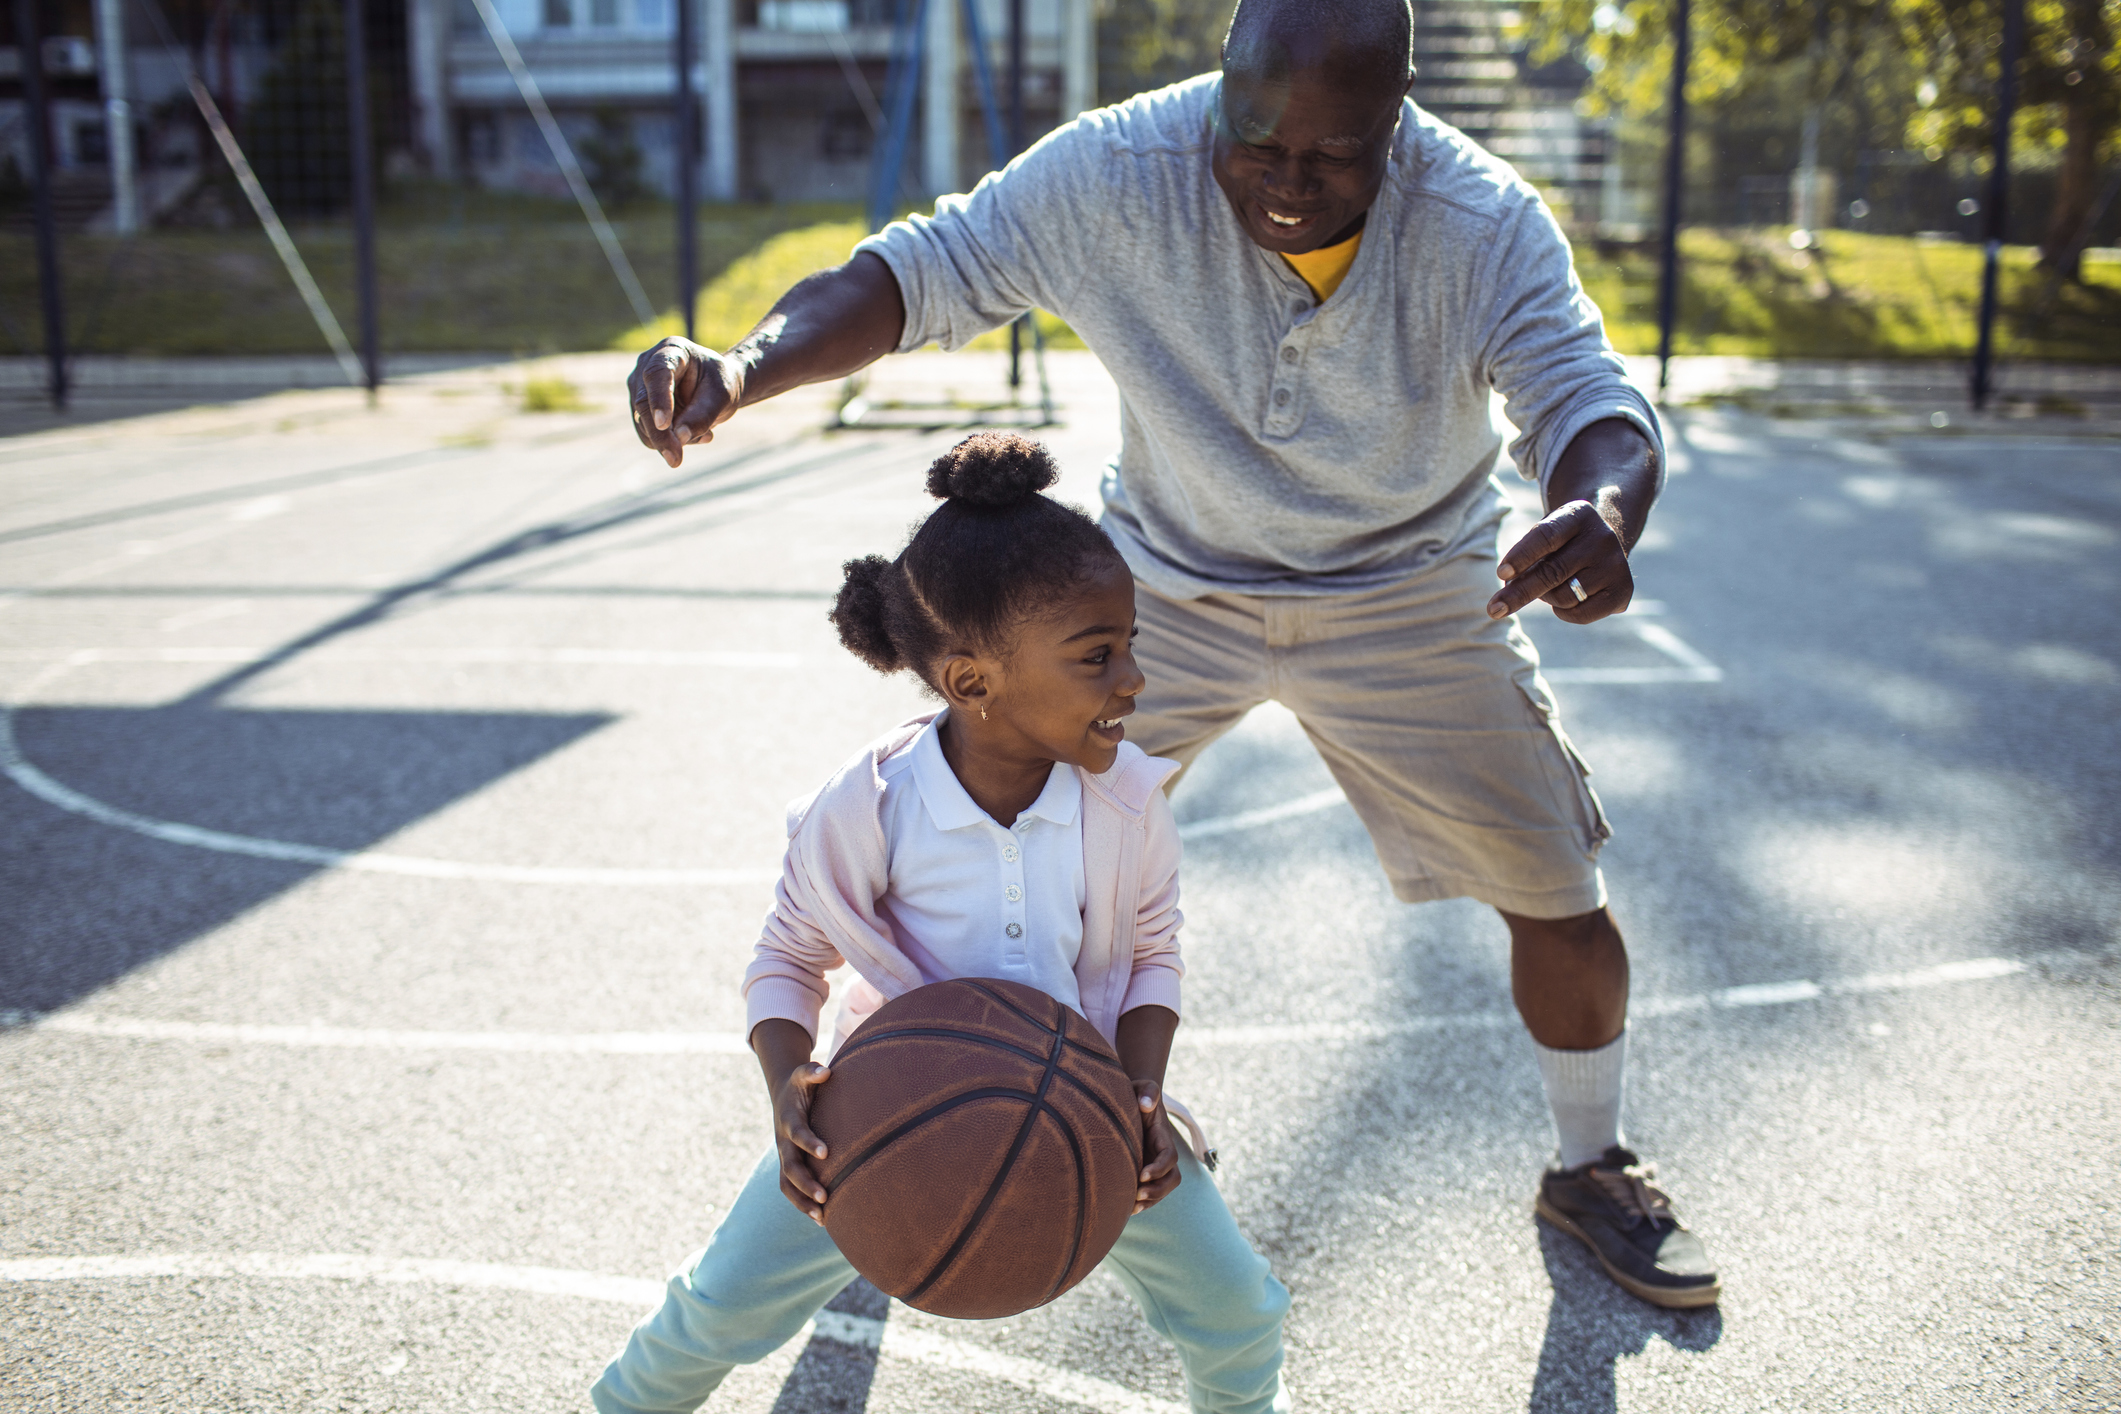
{"x":2069,"y":82}
{"x":1145,"y":44}
{"x":1933,"y":62}
{"x":295,"y":129}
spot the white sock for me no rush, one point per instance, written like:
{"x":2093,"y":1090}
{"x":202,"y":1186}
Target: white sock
{"x":1583,"y":1089}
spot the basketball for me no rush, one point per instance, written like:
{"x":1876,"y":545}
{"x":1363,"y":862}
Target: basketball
{"x":983,"y":1145}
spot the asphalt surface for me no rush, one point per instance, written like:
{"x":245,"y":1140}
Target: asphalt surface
{"x":392,"y":797}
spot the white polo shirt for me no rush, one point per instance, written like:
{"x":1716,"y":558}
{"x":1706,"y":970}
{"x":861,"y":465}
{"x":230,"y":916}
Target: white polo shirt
{"x":969,"y":898}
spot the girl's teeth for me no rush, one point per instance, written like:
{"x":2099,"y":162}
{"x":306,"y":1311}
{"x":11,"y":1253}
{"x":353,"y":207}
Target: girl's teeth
{"x":1281,"y":220}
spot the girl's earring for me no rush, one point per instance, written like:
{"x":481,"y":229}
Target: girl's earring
{"x":983,"y":714}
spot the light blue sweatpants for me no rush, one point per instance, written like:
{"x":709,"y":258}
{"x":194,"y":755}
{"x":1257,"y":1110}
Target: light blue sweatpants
{"x":768,"y":1269}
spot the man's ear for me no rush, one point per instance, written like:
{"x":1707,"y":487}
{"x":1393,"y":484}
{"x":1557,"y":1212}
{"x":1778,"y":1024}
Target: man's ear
{"x":964,"y":682}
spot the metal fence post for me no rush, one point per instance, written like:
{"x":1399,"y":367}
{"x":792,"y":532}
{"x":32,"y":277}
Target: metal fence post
{"x":1003,"y":159}
{"x":364,"y":189}
{"x":1674,"y":186}
{"x":31,"y":45}
{"x":1999,"y":175}
{"x":688,"y":142}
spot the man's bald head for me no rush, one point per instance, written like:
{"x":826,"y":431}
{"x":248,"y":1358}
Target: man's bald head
{"x":1366,"y":42}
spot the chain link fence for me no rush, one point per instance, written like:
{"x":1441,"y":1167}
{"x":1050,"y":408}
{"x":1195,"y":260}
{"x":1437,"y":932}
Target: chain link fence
{"x":526,"y":155}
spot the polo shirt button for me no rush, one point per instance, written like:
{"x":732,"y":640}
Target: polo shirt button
{"x":1281,"y":397}
{"x":1014,"y":930}
{"x":1012,"y":893}
{"x":1288,"y":353}
{"x":1009,"y":853}
{"x":1298,"y":308}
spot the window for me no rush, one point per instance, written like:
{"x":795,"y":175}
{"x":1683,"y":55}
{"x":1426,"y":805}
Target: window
{"x":559,"y":14}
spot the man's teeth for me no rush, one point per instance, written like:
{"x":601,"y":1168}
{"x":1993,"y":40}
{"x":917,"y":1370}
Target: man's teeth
{"x":1280,"y":220}
{"x":1109,"y":722}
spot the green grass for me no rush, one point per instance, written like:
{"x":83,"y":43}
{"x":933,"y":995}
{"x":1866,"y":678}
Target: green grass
{"x":554,"y":394}
{"x":738,"y":298}
{"x":504,"y":273}
{"x":1857,"y":296}
{"x":489,"y":273}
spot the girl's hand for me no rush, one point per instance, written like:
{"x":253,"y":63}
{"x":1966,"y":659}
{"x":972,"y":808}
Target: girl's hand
{"x":1159,"y":1173}
{"x":783,"y":1049}
{"x":791,"y":1134}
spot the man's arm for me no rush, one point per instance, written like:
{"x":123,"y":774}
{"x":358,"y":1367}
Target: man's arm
{"x":831,"y":324}
{"x":1599,"y":495}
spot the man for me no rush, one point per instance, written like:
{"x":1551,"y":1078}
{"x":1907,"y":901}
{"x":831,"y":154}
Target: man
{"x":1305,"y":288}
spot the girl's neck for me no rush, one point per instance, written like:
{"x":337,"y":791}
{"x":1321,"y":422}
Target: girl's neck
{"x":1001,"y":781}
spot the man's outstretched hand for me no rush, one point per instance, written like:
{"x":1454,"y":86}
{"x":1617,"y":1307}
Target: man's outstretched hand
{"x":831,"y":324}
{"x":1601,"y":490}
{"x":681,"y":391}
{"x":1575,"y":543}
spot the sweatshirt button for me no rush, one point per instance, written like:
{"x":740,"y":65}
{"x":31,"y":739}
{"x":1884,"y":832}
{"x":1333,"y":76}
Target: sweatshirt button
{"x":1014,"y":930}
{"x":1012,"y":893}
{"x":1281,"y":397}
{"x":1288,"y":353}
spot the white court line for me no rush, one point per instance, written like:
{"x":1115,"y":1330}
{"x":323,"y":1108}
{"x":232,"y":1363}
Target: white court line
{"x":19,"y":769}
{"x":611,"y":657}
{"x":26,"y":774}
{"x":1689,"y":665}
{"x":1759,"y":994}
{"x":1266,"y":815}
{"x":897,"y":1341}
{"x":623,"y":1043}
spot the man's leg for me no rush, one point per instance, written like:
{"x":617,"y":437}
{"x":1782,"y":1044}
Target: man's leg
{"x":1205,"y":664}
{"x":1570,"y":980}
{"x":1205,"y":1290}
{"x":1449,"y":744}
{"x":766,"y":1270}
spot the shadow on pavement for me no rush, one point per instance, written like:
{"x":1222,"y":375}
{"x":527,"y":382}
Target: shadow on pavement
{"x":88,"y":903}
{"x":1592,"y":1324}
{"x":832,"y":1376}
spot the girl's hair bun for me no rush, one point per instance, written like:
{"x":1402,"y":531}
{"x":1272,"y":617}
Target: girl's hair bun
{"x":861,"y":612}
{"x":993,"y":469}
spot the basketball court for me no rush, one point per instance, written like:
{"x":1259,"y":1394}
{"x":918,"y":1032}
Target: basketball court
{"x":392,"y":797}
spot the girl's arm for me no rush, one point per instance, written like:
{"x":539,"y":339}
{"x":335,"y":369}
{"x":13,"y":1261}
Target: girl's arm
{"x":1145,"y":1049}
{"x":783,"y":1049}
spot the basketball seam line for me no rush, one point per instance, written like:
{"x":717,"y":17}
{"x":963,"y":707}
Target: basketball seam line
{"x":936,"y":1111}
{"x":1061,"y":1030}
{"x":1135,"y":1144}
{"x":1082,"y":1210}
{"x":1023,"y":1137}
{"x":940,"y":1033}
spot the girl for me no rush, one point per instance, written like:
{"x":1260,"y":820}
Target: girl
{"x":1016,"y":834}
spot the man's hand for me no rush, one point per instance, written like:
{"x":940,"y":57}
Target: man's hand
{"x":783,"y":1049}
{"x":1159,"y":1173}
{"x":680,"y":392}
{"x":1574,"y":543}
{"x":829,"y":325}
{"x":1600,"y":492}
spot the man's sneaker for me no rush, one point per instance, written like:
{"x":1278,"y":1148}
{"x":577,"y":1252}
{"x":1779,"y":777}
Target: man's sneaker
{"x":1609,"y":1206}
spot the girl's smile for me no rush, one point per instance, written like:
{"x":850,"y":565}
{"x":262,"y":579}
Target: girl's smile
{"x":1057,"y":693}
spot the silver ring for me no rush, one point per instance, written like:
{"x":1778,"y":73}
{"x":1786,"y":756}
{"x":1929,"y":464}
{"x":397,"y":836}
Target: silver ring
{"x":1576,"y":588}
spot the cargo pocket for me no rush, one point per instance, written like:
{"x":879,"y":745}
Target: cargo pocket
{"x":1590,"y":810}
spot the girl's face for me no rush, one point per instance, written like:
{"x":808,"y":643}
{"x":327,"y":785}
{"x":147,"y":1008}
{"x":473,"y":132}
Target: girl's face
{"x":1068,"y":679}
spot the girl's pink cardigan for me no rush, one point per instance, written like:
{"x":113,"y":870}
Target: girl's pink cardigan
{"x":837,"y":867}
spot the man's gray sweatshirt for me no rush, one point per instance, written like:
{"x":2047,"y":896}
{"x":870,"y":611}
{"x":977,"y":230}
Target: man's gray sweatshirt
{"x":1271,"y":444}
